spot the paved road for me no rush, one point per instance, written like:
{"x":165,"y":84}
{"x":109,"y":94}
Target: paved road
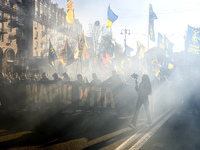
{"x":51,"y":129}
{"x":180,"y":132}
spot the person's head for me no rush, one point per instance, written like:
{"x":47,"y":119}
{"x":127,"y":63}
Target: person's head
{"x":23,"y":78}
{"x":43,"y":75}
{"x":65,"y":74}
{"x":55,"y":76}
{"x":94,"y":76}
{"x":14,"y":75}
{"x":146,"y":81}
{"x":79,"y":77}
{"x":145,"y":78}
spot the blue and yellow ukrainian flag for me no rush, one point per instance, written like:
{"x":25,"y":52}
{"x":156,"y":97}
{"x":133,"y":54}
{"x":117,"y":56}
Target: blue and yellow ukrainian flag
{"x":111,"y":17}
{"x":52,"y":55}
{"x":128,"y":50}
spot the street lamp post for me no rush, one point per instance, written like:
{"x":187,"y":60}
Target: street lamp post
{"x":125,"y":31}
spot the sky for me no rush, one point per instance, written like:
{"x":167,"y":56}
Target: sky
{"x":173,"y":18}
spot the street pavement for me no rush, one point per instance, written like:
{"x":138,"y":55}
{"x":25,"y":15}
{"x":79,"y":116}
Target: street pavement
{"x":53,"y":129}
{"x":180,"y":132}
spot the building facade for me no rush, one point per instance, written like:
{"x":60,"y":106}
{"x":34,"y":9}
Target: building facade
{"x":26,"y":27}
{"x":9,"y":35}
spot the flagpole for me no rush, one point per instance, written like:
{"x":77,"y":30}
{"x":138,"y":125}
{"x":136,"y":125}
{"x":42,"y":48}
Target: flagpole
{"x":81,"y":64}
{"x":77,"y":48}
{"x":77,"y":67}
{"x":147,"y":42}
{"x":148,"y":34}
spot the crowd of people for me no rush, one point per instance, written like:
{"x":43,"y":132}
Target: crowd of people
{"x":125,"y":94}
{"x":119,"y":86}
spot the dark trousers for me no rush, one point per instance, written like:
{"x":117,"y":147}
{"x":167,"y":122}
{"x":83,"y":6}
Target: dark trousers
{"x":137,"y":109}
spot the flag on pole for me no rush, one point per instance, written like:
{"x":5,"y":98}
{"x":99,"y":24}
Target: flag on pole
{"x":140,"y":49}
{"x":70,"y":12}
{"x":165,"y":44}
{"x":75,"y":50}
{"x":111,"y":17}
{"x":152,"y":17}
{"x":52,"y":55}
{"x":170,"y":65}
{"x":192,"y":44}
{"x":161,"y":41}
{"x":104,"y":59}
{"x":168,"y":47}
{"x":82,"y":46}
{"x":108,"y":58}
{"x":66,"y":56}
{"x":88,"y":55}
{"x":128,"y":50}
{"x":155,"y":66}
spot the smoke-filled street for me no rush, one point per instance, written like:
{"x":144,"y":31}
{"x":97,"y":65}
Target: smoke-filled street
{"x":89,"y":75}
{"x":65,"y":130}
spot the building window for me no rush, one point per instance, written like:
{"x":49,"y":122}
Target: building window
{"x":36,"y":34}
{"x":10,"y":55}
{"x":9,"y":29}
{"x":41,"y":45}
{"x":36,"y":24}
{"x":1,"y":38}
{"x":9,"y":17}
{"x":9,"y":40}
{"x":36,"y":53}
{"x":36,"y":44}
{"x":1,"y":13}
{"x":1,"y":26}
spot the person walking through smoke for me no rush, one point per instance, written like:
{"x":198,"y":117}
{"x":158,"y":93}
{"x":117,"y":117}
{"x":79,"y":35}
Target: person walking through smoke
{"x":115,"y":83}
{"x":143,"y":90}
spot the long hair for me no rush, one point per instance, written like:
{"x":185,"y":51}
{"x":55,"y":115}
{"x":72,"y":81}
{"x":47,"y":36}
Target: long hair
{"x":146,"y":80}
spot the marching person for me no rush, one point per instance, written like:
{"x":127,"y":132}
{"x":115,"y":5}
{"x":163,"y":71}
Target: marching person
{"x":56,"y":79}
{"x":95,"y":80}
{"x":44,"y":78}
{"x":66,"y":77}
{"x":115,"y":83}
{"x":76,"y":91}
{"x":143,"y":90}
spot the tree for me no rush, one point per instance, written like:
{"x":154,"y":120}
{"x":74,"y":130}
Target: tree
{"x":106,"y":45}
{"x":96,"y":31}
